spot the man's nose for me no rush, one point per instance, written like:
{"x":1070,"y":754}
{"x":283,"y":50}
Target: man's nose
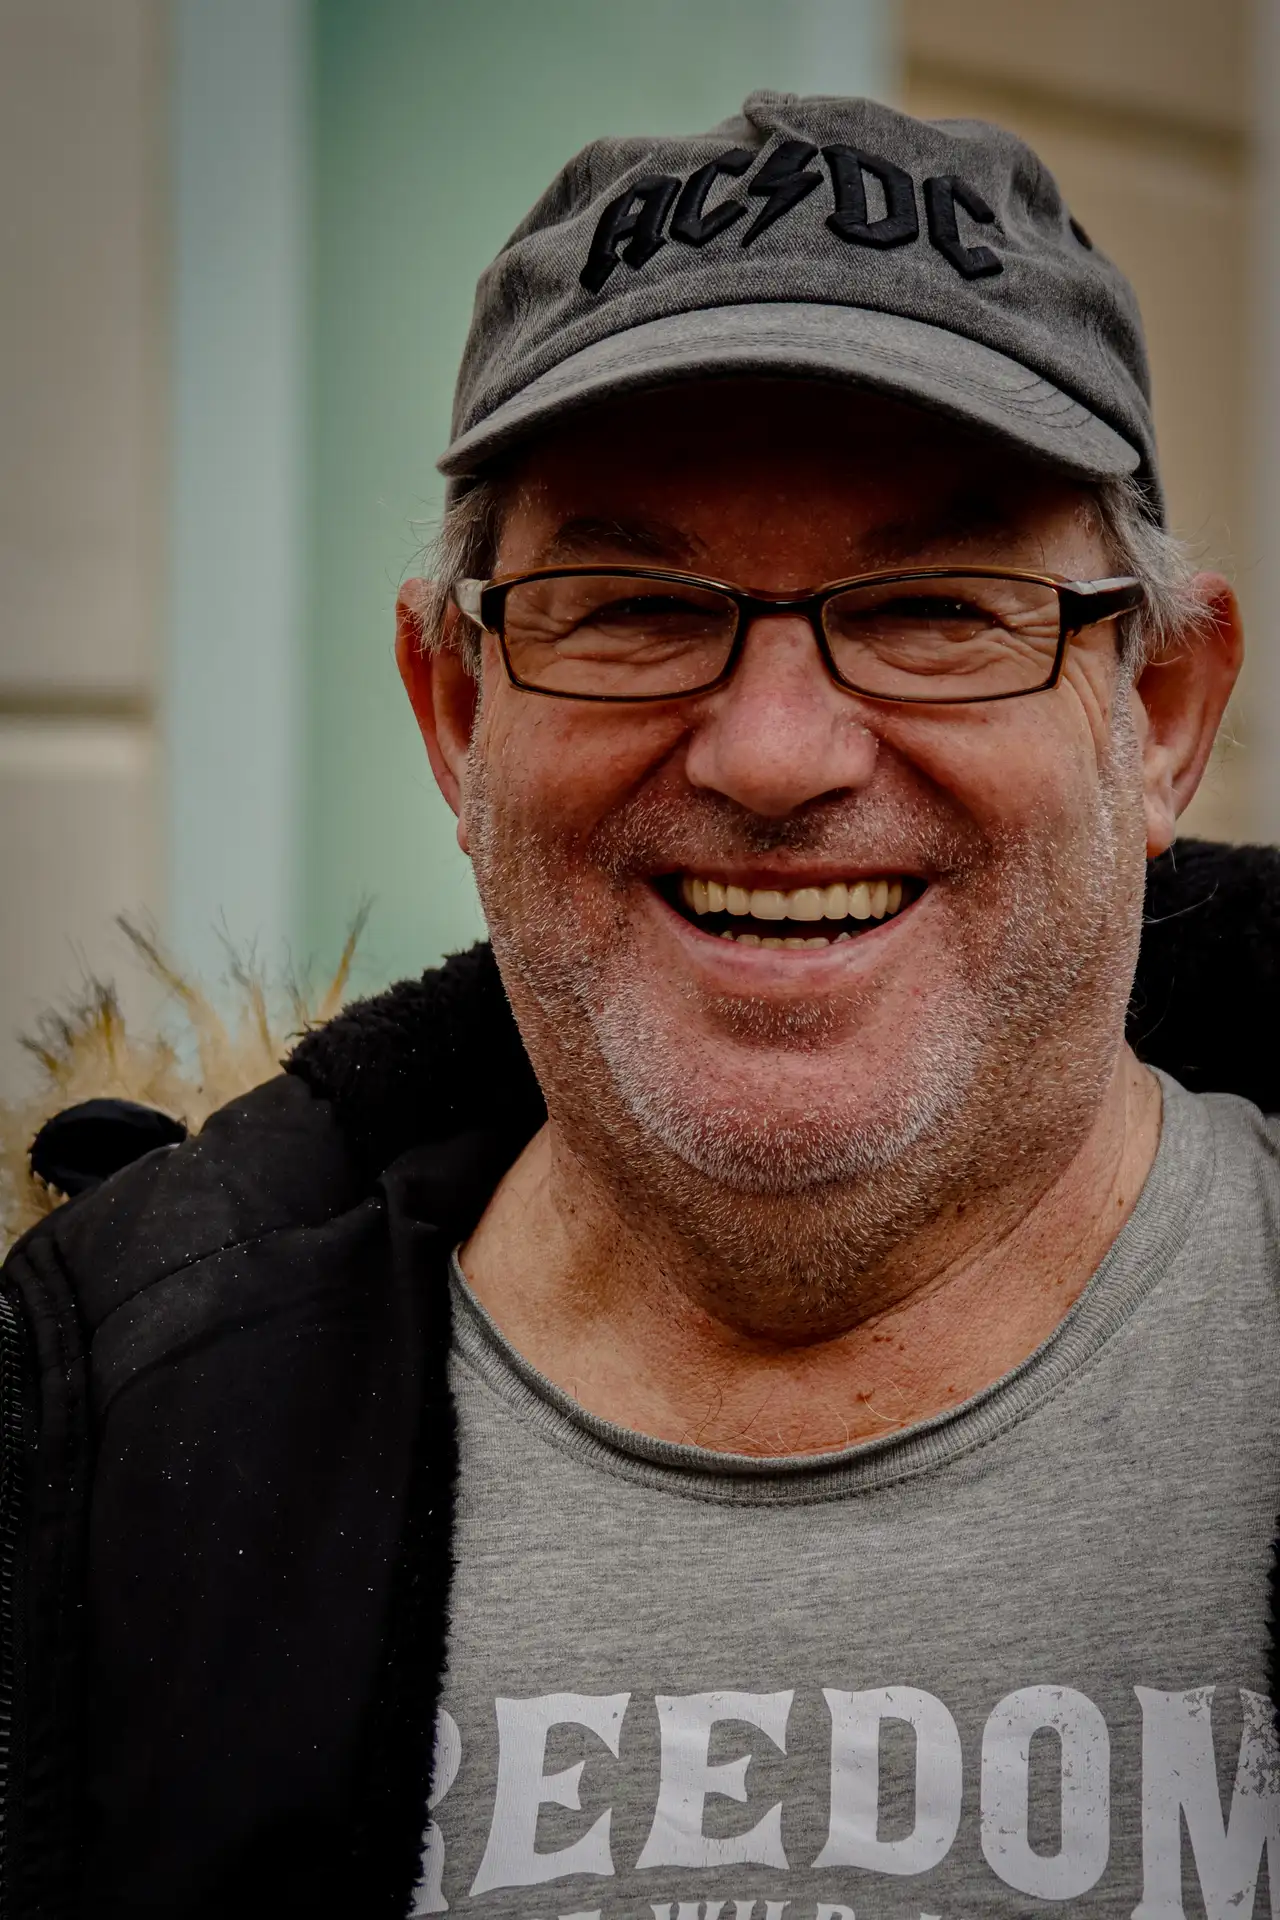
{"x":781,"y":733}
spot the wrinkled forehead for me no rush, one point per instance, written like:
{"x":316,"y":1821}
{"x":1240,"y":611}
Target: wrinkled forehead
{"x":832,"y":475}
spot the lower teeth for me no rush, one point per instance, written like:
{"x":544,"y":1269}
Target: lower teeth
{"x":754,"y":940}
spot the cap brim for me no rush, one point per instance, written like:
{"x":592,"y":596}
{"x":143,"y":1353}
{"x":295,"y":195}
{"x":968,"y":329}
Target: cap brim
{"x":910,"y":359}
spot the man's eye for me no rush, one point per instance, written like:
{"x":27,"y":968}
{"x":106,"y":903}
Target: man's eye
{"x":936,"y":609}
{"x":651,"y":606}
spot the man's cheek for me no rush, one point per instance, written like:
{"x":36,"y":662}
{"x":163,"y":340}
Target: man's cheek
{"x":1009,"y":768}
{"x":545,"y":789}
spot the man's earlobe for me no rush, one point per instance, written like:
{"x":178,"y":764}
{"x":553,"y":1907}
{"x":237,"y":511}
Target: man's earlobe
{"x":442,"y":690}
{"x":1184,"y":692}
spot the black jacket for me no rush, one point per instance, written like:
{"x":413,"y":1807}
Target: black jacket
{"x":227,"y":1448}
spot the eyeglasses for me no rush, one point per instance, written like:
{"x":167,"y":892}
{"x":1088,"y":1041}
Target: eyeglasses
{"x":946,"y":635}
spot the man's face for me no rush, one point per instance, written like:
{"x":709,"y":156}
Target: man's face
{"x":908,"y":1052}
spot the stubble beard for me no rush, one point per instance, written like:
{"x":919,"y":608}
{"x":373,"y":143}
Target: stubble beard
{"x":783,"y":1223}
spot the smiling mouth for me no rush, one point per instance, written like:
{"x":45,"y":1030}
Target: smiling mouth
{"x":805,"y":917}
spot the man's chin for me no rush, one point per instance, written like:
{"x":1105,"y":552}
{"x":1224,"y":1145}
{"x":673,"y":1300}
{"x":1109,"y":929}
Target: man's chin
{"x":756,"y":1115}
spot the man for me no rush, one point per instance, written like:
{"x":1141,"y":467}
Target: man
{"x":802,"y":1410}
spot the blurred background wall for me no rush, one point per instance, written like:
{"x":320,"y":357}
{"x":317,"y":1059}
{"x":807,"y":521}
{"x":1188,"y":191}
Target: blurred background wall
{"x":239,"y":240}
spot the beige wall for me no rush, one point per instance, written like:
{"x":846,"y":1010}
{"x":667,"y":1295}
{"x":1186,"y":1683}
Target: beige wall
{"x":1141,"y":110}
{"x":82,"y":379}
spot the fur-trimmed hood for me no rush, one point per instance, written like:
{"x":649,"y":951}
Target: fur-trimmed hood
{"x":88,"y":1056}
{"x":1205,"y":1007}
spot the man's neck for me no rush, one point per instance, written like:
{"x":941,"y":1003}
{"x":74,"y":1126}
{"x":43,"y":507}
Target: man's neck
{"x":596,"y":1308}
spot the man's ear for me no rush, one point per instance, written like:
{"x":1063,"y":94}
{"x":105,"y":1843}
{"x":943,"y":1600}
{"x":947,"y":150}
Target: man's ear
{"x":1184,"y":693}
{"x":442,"y":691}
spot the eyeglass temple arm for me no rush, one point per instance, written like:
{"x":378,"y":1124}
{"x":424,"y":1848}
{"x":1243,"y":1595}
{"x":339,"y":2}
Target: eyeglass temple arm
{"x":466,"y":598}
{"x":1086,"y":602}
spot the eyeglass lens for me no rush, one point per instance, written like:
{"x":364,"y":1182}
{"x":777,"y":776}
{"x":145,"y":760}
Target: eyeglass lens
{"x":958,"y":637}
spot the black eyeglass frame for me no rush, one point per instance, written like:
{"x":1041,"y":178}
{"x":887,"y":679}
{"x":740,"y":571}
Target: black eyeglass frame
{"x":1081,"y":604}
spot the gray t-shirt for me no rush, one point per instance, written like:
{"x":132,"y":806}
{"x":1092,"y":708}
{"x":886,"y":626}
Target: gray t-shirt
{"x":1012,"y":1656}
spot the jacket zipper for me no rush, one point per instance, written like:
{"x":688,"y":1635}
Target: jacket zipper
{"x":12,"y":1477}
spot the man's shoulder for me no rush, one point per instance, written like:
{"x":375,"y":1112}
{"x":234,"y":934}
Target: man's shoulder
{"x":271,"y":1163}
{"x":1246,"y":1138}
{"x":1227,"y":1151}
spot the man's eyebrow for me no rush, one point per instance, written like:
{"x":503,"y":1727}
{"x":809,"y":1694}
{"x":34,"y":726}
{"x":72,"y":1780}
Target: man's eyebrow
{"x":589,"y":537}
{"x":965,"y":518}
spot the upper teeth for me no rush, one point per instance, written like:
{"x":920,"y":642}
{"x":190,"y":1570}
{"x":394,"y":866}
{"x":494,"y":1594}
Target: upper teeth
{"x":862,"y":900}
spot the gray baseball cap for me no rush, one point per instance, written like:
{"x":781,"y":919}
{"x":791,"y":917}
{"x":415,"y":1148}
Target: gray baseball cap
{"x":822,"y":238}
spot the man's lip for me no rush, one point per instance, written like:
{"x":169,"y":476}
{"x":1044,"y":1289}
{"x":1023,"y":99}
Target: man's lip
{"x":789,"y":879}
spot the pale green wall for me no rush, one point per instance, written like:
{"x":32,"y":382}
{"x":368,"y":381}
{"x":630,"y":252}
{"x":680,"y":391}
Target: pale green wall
{"x":231,"y":719}
{"x":436,"y":124}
